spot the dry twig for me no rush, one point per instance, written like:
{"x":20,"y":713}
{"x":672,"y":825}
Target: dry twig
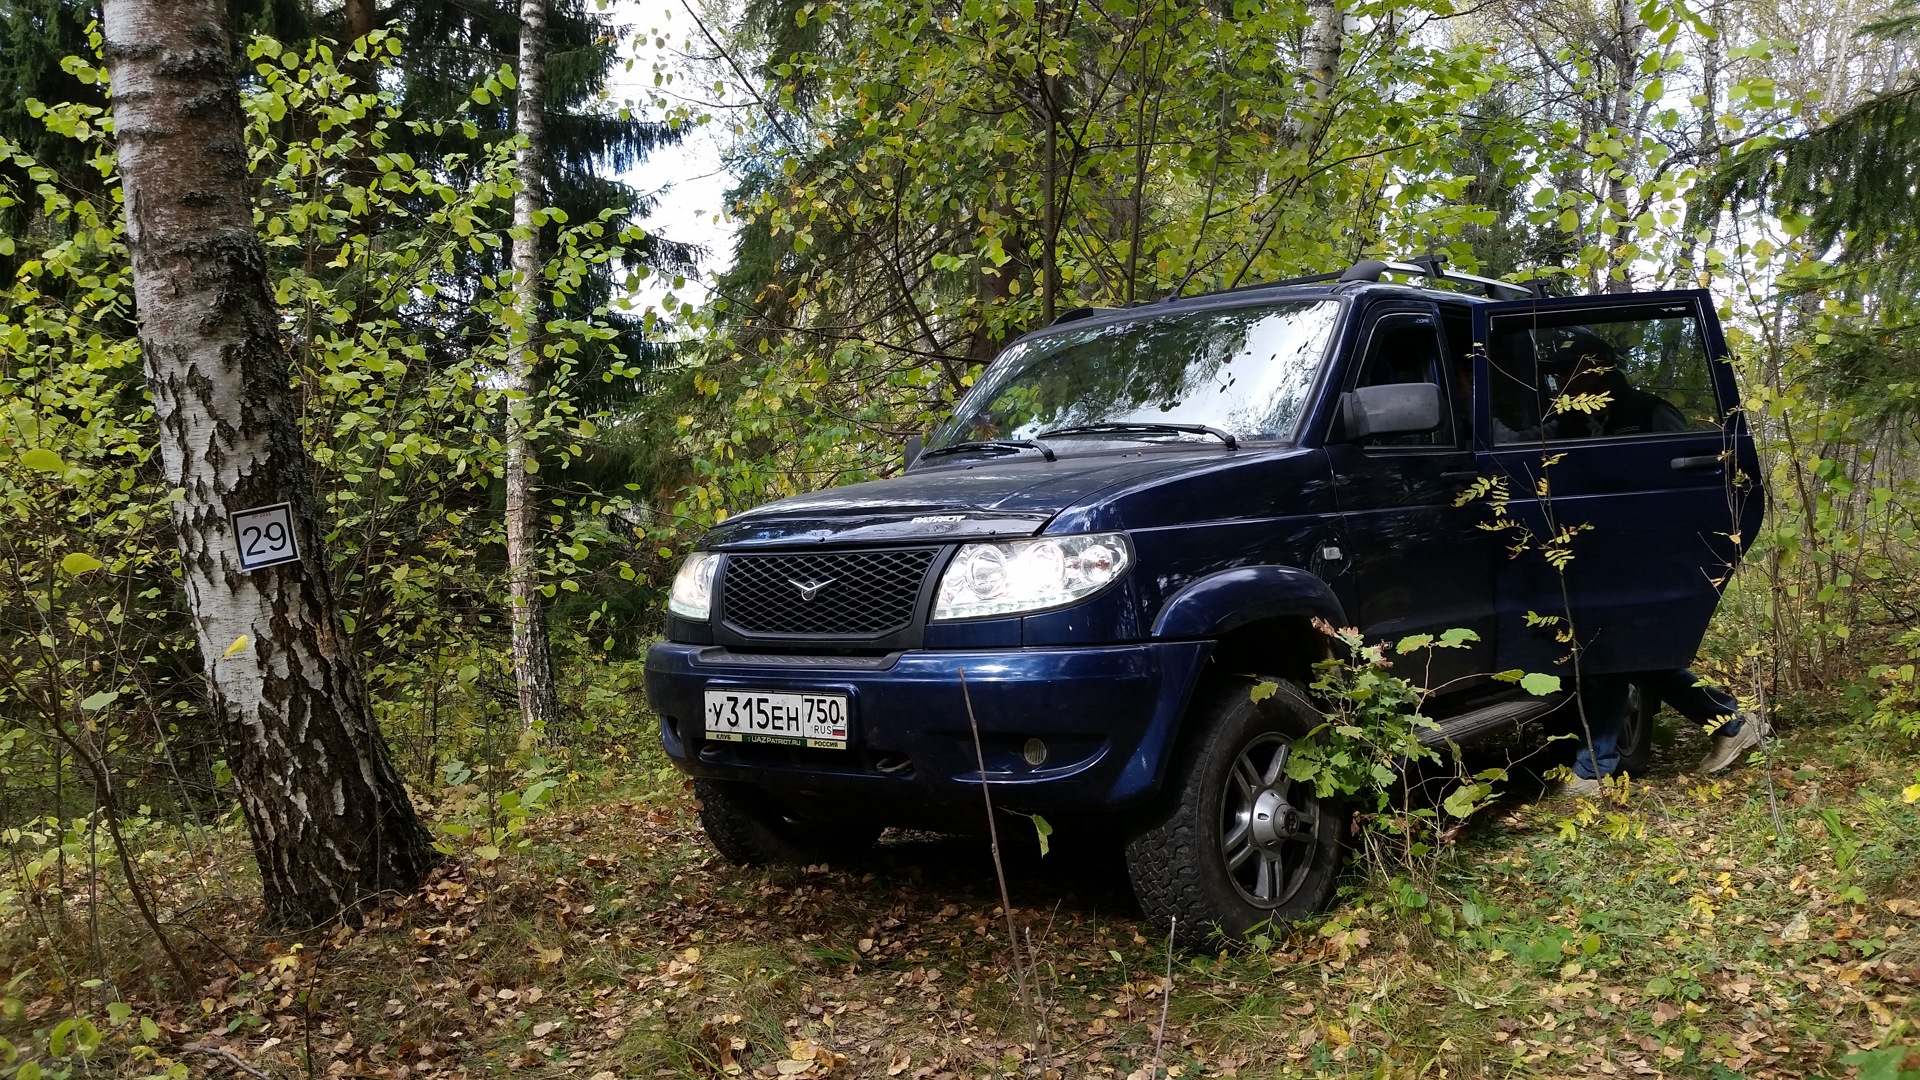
{"x":227,"y":1056}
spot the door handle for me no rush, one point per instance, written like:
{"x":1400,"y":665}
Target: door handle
{"x":1697,"y":461}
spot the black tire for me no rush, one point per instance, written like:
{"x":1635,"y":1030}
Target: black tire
{"x":1210,"y":854}
{"x":751,"y":828}
{"x":1636,"y":732}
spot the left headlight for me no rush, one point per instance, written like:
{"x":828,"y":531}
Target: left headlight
{"x":1029,"y":575}
{"x":692,"y":596}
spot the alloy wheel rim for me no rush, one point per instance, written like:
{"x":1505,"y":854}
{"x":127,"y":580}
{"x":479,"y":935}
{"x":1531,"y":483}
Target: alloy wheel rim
{"x":1268,"y":826}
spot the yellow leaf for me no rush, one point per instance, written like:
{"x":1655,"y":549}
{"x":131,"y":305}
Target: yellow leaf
{"x":79,"y":562}
{"x":1911,"y":793}
{"x":239,"y":645}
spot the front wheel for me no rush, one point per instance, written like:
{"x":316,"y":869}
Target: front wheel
{"x":1235,"y":845}
{"x":752,"y":828}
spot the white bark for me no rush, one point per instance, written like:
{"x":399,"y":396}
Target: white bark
{"x":532,"y":656}
{"x":329,"y":818}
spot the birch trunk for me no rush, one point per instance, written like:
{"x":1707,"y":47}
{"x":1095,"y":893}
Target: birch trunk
{"x":532,"y":656}
{"x":329,"y":818}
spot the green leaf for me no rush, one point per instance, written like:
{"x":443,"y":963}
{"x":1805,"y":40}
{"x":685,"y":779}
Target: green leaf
{"x":100,"y":700}
{"x":1882,"y":1064}
{"x":43,"y":460}
{"x":1264,"y":690}
{"x":79,"y":562}
{"x":1463,"y":800}
{"x":1540,"y":684}
{"x":487,"y":852}
{"x":1458,"y":637}
{"x":1043,"y":830}
{"x":1413,"y":643}
{"x":118,"y":1011}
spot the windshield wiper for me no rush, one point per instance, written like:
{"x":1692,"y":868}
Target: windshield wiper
{"x":1145,"y":429}
{"x":991,"y":444}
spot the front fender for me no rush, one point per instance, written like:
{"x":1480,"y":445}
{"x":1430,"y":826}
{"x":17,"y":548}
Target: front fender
{"x":1214,"y":605}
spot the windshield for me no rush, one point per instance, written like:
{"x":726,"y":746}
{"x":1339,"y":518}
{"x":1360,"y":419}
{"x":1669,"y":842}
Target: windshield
{"x":1244,"y":371}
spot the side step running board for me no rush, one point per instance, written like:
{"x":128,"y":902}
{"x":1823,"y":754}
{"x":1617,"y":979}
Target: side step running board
{"x":1468,"y":726}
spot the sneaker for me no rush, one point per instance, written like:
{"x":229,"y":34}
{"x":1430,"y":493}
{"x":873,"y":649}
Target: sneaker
{"x":1728,"y":749}
{"x":1581,"y":787}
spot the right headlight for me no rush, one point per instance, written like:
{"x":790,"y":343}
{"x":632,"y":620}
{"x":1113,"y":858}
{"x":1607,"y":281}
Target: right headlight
{"x":692,"y":595}
{"x":1029,"y":575}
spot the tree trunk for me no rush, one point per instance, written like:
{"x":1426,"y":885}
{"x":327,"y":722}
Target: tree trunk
{"x":1325,"y":42}
{"x":329,"y":818}
{"x":532,"y":656}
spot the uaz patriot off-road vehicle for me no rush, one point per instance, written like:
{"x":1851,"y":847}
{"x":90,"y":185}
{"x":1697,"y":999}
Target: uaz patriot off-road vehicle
{"x":1135,"y":515}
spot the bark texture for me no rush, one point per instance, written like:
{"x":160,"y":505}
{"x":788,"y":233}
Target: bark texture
{"x":532,"y":656}
{"x":330,"y":821}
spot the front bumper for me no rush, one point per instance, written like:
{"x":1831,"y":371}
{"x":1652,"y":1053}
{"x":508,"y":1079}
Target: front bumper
{"x":1107,"y":716}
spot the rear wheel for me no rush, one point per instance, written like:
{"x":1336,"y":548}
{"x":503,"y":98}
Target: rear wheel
{"x":1636,"y":731}
{"x":752,"y":828}
{"x":1234,"y":844}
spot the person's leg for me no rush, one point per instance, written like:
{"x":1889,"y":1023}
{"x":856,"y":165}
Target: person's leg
{"x":1605,"y":699}
{"x":1693,"y":698}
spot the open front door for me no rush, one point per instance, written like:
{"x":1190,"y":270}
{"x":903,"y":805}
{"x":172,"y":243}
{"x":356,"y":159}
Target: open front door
{"x":1610,"y":426}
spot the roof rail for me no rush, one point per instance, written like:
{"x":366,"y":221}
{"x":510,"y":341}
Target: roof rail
{"x":1075,"y":314}
{"x":1434,"y":266}
{"x":1310,"y":279}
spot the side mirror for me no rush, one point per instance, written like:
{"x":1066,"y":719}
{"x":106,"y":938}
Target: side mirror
{"x":915,"y":443}
{"x":1393,"y":409}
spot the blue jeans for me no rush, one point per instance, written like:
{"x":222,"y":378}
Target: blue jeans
{"x":1692,"y":698}
{"x":1605,"y":698}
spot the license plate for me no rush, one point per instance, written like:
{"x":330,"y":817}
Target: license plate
{"x":769,"y":716}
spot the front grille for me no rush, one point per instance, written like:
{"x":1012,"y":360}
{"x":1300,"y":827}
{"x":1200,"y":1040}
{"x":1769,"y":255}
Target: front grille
{"x":827,"y":593}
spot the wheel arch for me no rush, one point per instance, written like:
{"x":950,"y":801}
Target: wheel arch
{"x":1262,"y":621}
{"x":1262,"y":618}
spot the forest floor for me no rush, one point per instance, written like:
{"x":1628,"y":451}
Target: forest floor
{"x":1673,"y":935}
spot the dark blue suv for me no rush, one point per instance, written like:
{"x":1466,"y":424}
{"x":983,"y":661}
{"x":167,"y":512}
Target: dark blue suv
{"x":1136,"y":515}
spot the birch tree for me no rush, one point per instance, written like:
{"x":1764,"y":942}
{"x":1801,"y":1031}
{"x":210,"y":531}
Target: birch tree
{"x":330,"y":821}
{"x":532,"y":656}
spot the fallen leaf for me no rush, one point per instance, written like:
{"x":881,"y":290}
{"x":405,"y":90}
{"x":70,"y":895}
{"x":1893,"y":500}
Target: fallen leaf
{"x":1796,"y":928}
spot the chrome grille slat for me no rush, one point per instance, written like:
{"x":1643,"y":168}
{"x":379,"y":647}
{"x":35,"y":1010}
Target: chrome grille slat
{"x":863,"y":593}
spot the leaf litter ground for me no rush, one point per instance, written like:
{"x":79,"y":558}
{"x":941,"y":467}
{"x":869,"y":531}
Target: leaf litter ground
{"x":1671,"y":934}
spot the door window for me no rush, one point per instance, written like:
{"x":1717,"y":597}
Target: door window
{"x":1574,"y":374}
{"x":1406,"y":348}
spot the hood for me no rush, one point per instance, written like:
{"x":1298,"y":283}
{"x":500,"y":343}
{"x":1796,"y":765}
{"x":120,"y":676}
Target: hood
{"x":952,"y":501}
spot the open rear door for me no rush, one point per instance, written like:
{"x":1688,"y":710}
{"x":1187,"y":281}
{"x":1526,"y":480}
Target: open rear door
{"x":1610,"y":427}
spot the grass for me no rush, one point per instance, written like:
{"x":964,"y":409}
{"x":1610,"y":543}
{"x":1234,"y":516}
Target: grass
{"x":1671,"y":934}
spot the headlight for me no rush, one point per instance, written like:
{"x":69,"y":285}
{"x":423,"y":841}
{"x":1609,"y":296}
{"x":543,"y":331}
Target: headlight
{"x":1029,"y":575}
{"x":692,"y":595}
